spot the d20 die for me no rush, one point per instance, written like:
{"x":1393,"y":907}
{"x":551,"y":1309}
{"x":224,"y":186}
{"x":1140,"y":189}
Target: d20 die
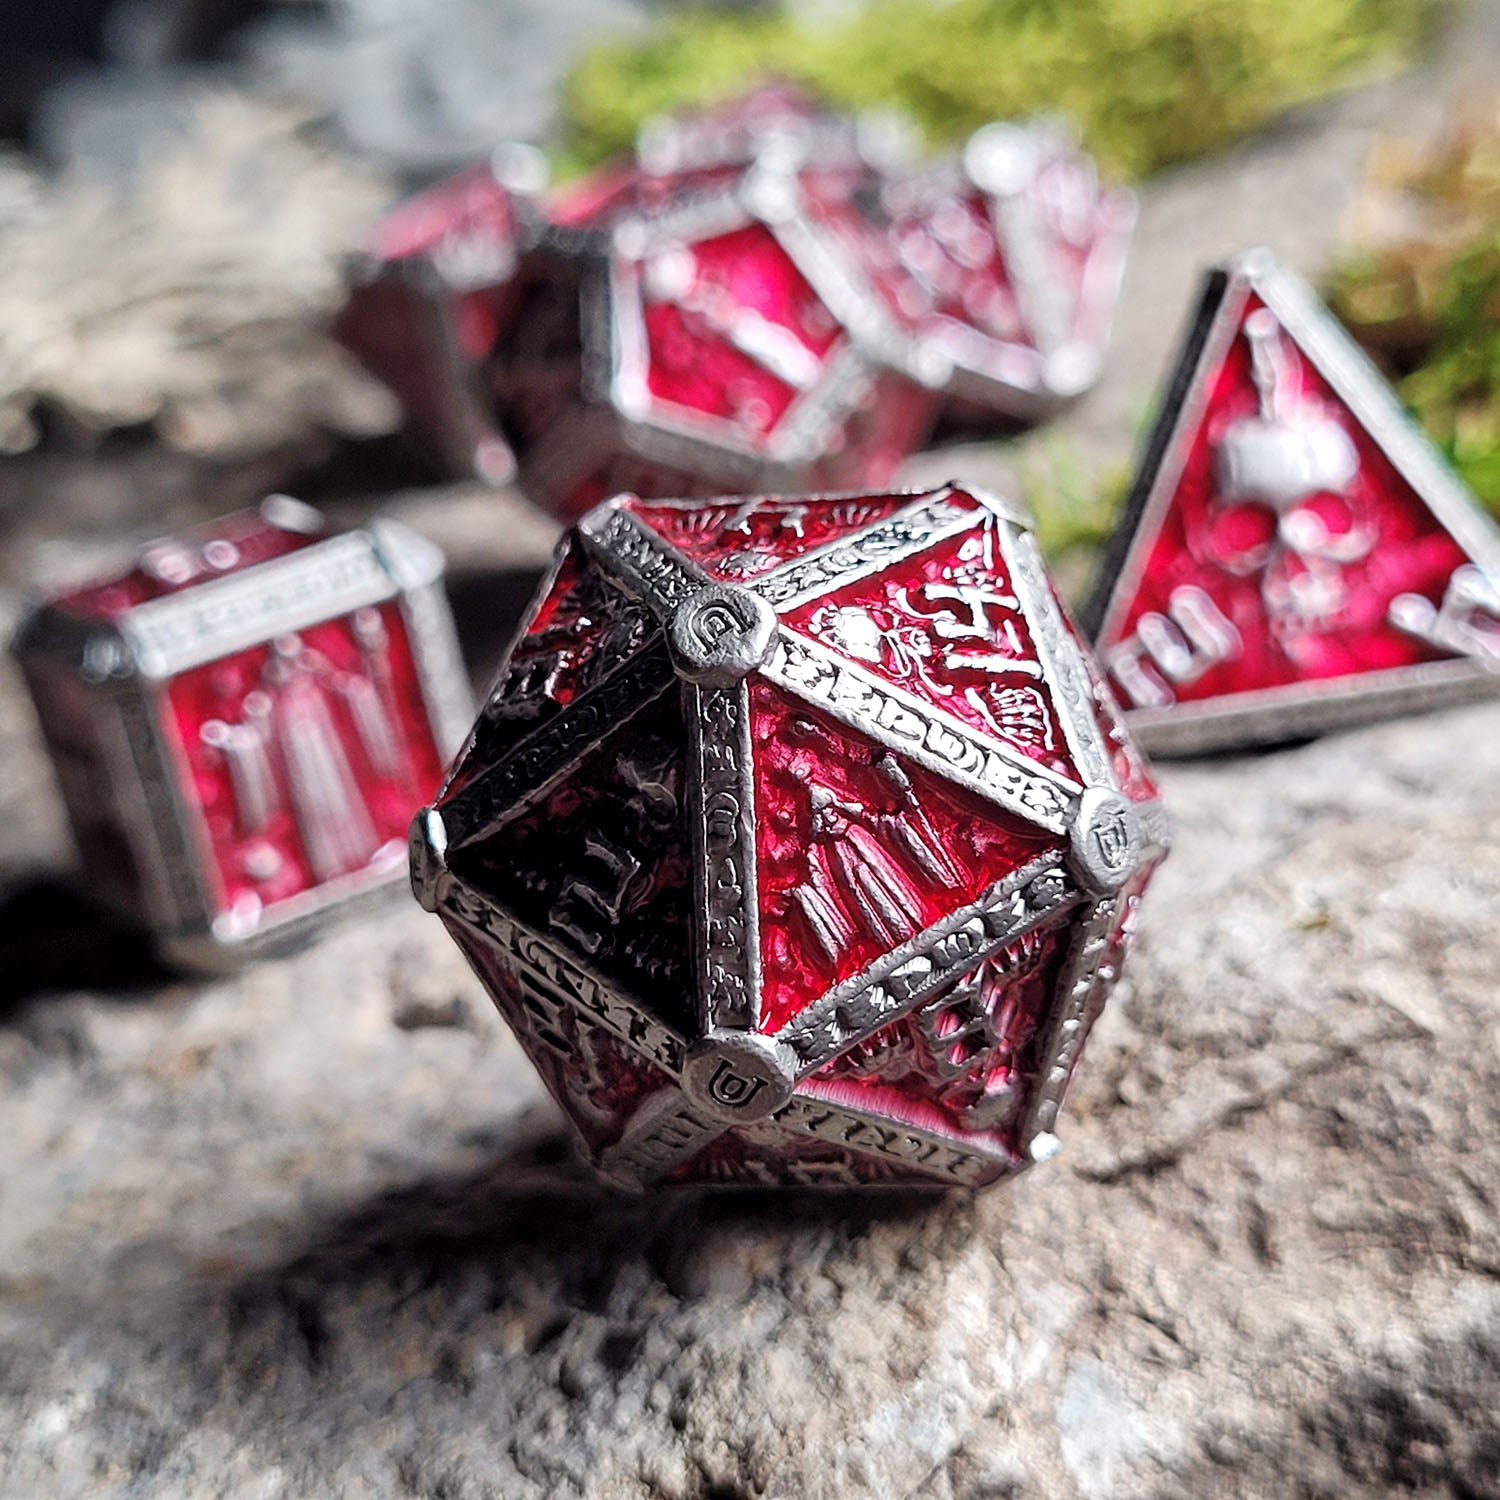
{"x":243,"y":723}
{"x":729,"y":341}
{"x":799,"y":840}
{"x":1295,"y":555}
{"x":435,"y":293}
{"x":1016,"y":252}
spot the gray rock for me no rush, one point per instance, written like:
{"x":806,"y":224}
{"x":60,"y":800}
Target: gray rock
{"x":423,"y":88}
{"x":313,"y":1230}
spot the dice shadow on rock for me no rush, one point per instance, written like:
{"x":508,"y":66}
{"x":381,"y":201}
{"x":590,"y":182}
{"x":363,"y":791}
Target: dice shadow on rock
{"x":536,"y":1223}
{"x":55,"y":939}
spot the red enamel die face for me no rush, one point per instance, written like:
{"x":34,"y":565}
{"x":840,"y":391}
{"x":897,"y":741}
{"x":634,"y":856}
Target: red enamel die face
{"x":723,"y":337}
{"x":1015,"y":261}
{"x":258,"y":708}
{"x":799,"y":840}
{"x":304,"y":758}
{"x":1296,"y":549}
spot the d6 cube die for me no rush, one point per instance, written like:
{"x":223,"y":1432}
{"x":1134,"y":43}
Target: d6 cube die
{"x":799,"y":840}
{"x":243,"y":723}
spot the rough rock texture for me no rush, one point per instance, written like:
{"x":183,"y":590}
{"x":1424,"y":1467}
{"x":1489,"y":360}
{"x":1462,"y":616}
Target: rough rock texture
{"x":313,"y":1231}
{"x":192,"y":294}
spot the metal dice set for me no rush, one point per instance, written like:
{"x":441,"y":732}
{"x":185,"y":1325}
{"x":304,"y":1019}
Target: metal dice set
{"x":242,"y":723}
{"x":764,"y":296}
{"x":799,"y":840}
{"x":802,"y":837}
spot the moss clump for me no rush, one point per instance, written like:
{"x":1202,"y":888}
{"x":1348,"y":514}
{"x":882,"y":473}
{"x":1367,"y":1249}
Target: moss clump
{"x":1421,"y":291}
{"x":1150,"y":82}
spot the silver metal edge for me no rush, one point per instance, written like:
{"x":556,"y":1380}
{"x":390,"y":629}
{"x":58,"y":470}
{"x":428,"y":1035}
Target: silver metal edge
{"x":192,"y":598}
{"x":1066,"y":1027}
{"x":1122,"y":577}
{"x":440,"y":668}
{"x":729,"y":977}
{"x":163,"y":829}
{"x":544,"y":587}
{"x":955,"y":1161}
{"x":1274,"y":714}
{"x":1374,"y":404}
{"x":1072,"y":690}
{"x":286,"y":925}
{"x":640,"y":560}
{"x":665,"y":1132}
{"x":1029,"y":790}
{"x":497,"y":793}
{"x":861,"y":1005}
{"x":932,"y":516}
{"x":597,"y":999}
{"x":408,"y":556}
{"x":1306,"y":707}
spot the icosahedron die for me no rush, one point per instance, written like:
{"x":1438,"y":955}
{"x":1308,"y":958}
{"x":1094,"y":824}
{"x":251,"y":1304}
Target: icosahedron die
{"x":1295,"y":555}
{"x":799,"y":841}
{"x":730,"y":338}
{"x":243,"y":723}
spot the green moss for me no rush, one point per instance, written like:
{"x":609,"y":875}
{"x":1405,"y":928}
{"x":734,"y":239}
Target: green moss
{"x":1149,"y":81}
{"x":1426,"y":304}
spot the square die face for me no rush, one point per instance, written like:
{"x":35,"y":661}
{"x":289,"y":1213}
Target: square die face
{"x":302,"y":760}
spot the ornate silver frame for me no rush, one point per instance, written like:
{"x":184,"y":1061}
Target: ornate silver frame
{"x":726,"y":1043}
{"x":1312,"y":707}
{"x":119,"y":670}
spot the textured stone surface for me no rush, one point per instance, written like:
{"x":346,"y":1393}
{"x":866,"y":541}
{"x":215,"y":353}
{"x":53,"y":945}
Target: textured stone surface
{"x":312,"y":1231}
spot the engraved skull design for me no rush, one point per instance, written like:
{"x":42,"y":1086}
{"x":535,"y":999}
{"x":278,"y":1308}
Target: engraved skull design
{"x":1285,"y":507}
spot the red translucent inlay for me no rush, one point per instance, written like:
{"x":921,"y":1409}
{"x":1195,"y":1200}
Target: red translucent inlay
{"x":954,"y":269}
{"x":947,"y":626}
{"x":959,"y":1064}
{"x":595,"y":1079}
{"x":858,"y":850}
{"x":305,"y":757}
{"x":739,"y":539}
{"x":734,"y":330}
{"x":1297,"y":586}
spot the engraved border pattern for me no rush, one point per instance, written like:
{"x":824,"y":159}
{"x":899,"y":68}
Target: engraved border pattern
{"x":930,"y":737}
{"x":722,"y":814}
{"x":911,"y":974}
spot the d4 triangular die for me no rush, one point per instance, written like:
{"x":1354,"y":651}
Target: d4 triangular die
{"x":798,"y":841}
{"x":1295,"y":555}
